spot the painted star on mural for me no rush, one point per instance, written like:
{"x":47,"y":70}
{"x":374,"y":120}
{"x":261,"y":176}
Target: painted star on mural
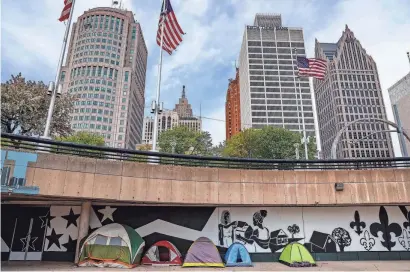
{"x":46,"y":219}
{"x":70,"y":245}
{"x":107,"y":213}
{"x":71,"y":218}
{"x":53,"y":238}
{"x":30,"y":243}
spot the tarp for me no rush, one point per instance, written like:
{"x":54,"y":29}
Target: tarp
{"x":203,"y":253}
{"x":237,"y":255}
{"x":296,"y":255}
{"x":112,"y":245}
{"x":153,"y":255}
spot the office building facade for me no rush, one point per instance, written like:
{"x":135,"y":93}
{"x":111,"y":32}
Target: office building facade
{"x":105,"y":70}
{"x":233,"y":107}
{"x":166,"y":120}
{"x":270,"y":94}
{"x":181,"y":115}
{"x":400,"y":99}
{"x":350,"y":91}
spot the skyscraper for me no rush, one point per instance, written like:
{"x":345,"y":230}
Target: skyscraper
{"x":270,"y":94}
{"x":233,"y":107}
{"x":105,"y":70}
{"x":181,"y":115}
{"x":350,"y":91}
{"x":400,"y":100}
{"x":183,"y":108}
{"x":185,"y":115}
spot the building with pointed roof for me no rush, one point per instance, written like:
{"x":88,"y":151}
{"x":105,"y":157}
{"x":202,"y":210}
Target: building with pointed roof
{"x":183,"y":108}
{"x":350,"y":91}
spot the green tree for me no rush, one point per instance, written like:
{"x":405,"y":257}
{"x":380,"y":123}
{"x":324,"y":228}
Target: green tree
{"x":145,"y":147}
{"x":24,"y":106}
{"x":83,"y":137}
{"x":185,"y":141}
{"x":217,"y":150}
{"x":267,"y":143}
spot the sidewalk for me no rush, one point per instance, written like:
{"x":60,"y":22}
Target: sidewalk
{"x":322,"y":266}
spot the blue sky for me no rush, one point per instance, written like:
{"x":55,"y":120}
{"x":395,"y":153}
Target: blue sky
{"x":31,"y":40}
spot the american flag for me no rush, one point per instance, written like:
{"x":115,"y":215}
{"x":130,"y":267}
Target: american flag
{"x":65,"y":14}
{"x":172,"y":31}
{"x":311,"y":67}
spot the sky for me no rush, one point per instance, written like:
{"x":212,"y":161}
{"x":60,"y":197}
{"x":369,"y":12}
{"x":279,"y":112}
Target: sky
{"x":31,"y":38}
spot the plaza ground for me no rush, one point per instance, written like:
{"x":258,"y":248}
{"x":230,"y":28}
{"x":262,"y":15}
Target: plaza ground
{"x":322,"y":266}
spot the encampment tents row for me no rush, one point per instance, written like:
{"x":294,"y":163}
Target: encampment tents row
{"x":120,"y":246}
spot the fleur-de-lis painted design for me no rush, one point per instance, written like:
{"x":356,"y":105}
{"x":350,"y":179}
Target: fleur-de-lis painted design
{"x":357,"y":225}
{"x":404,"y":240}
{"x":406,"y":213}
{"x":367,"y":242}
{"x":385,"y":228}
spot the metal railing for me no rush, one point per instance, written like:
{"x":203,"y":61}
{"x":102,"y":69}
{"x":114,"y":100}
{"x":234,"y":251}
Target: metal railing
{"x":33,"y":144}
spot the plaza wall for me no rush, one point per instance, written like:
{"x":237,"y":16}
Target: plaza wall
{"x":330,"y":233}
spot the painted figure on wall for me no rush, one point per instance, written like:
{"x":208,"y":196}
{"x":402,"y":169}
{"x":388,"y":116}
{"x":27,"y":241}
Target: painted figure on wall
{"x":226,"y":229}
{"x":256,"y":240}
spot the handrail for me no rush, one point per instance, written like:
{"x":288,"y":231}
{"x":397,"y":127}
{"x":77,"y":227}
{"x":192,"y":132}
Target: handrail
{"x":13,"y":141}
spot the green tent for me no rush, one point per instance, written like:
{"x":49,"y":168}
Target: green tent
{"x":112,"y":245}
{"x":295,"y":254}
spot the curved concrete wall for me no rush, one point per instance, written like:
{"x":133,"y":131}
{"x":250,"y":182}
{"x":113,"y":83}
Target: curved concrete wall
{"x":71,"y":176}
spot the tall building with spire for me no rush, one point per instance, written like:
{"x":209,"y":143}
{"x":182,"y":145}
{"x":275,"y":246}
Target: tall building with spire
{"x":350,"y":91}
{"x":105,"y":70}
{"x":233,"y":107}
{"x":181,"y":115}
{"x":183,"y":108}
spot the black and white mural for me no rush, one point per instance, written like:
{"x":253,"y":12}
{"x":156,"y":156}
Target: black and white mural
{"x":50,"y":233}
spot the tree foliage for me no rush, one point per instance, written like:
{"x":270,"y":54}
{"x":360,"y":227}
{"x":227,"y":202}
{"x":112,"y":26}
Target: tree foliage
{"x":186,"y":141}
{"x":145,"y":147}
{"x":83,"y":137}
{"x":267,"y":143}
{"x":24,"y":107}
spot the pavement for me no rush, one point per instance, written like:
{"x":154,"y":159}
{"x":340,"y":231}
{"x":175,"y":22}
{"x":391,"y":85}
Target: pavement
{"x":274,"y":266}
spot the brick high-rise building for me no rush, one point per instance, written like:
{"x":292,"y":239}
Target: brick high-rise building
{"x":350,"y":91}
{"x":233,"y":107}
{"x":270,"y":93}
{"x":105,"y":70}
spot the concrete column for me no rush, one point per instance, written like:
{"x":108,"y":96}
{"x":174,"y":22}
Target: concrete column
{"x":83,"y":226}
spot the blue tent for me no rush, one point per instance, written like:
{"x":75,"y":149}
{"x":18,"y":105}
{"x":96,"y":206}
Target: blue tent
{"x":237,"y":255}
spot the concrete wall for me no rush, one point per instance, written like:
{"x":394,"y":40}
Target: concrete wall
{"x":330,"y":233}
{"x":71,"y":176}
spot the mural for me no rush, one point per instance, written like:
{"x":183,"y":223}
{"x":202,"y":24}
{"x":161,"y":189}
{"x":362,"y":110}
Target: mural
{"x":13,"y":172}
{"x":50,"y":233}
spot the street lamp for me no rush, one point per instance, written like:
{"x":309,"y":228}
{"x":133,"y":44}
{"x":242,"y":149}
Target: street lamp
{"x":296,"y":145}
{"x":173,"y":144}
{"x":55,"y":93}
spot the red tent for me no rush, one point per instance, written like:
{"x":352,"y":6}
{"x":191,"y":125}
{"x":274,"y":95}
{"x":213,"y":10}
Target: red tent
{"x":162,"y":253}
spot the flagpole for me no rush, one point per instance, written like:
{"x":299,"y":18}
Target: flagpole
{"x":155,"y":129}
{"x":57,"y":79}
{"x":303,"y":114}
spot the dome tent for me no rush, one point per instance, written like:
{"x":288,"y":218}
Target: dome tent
{"x":112,"y":245}
{"x":237,"y":255}
{"x":154,"y":256}
{"x":296,"y":255}
{"x":203,"y":253}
